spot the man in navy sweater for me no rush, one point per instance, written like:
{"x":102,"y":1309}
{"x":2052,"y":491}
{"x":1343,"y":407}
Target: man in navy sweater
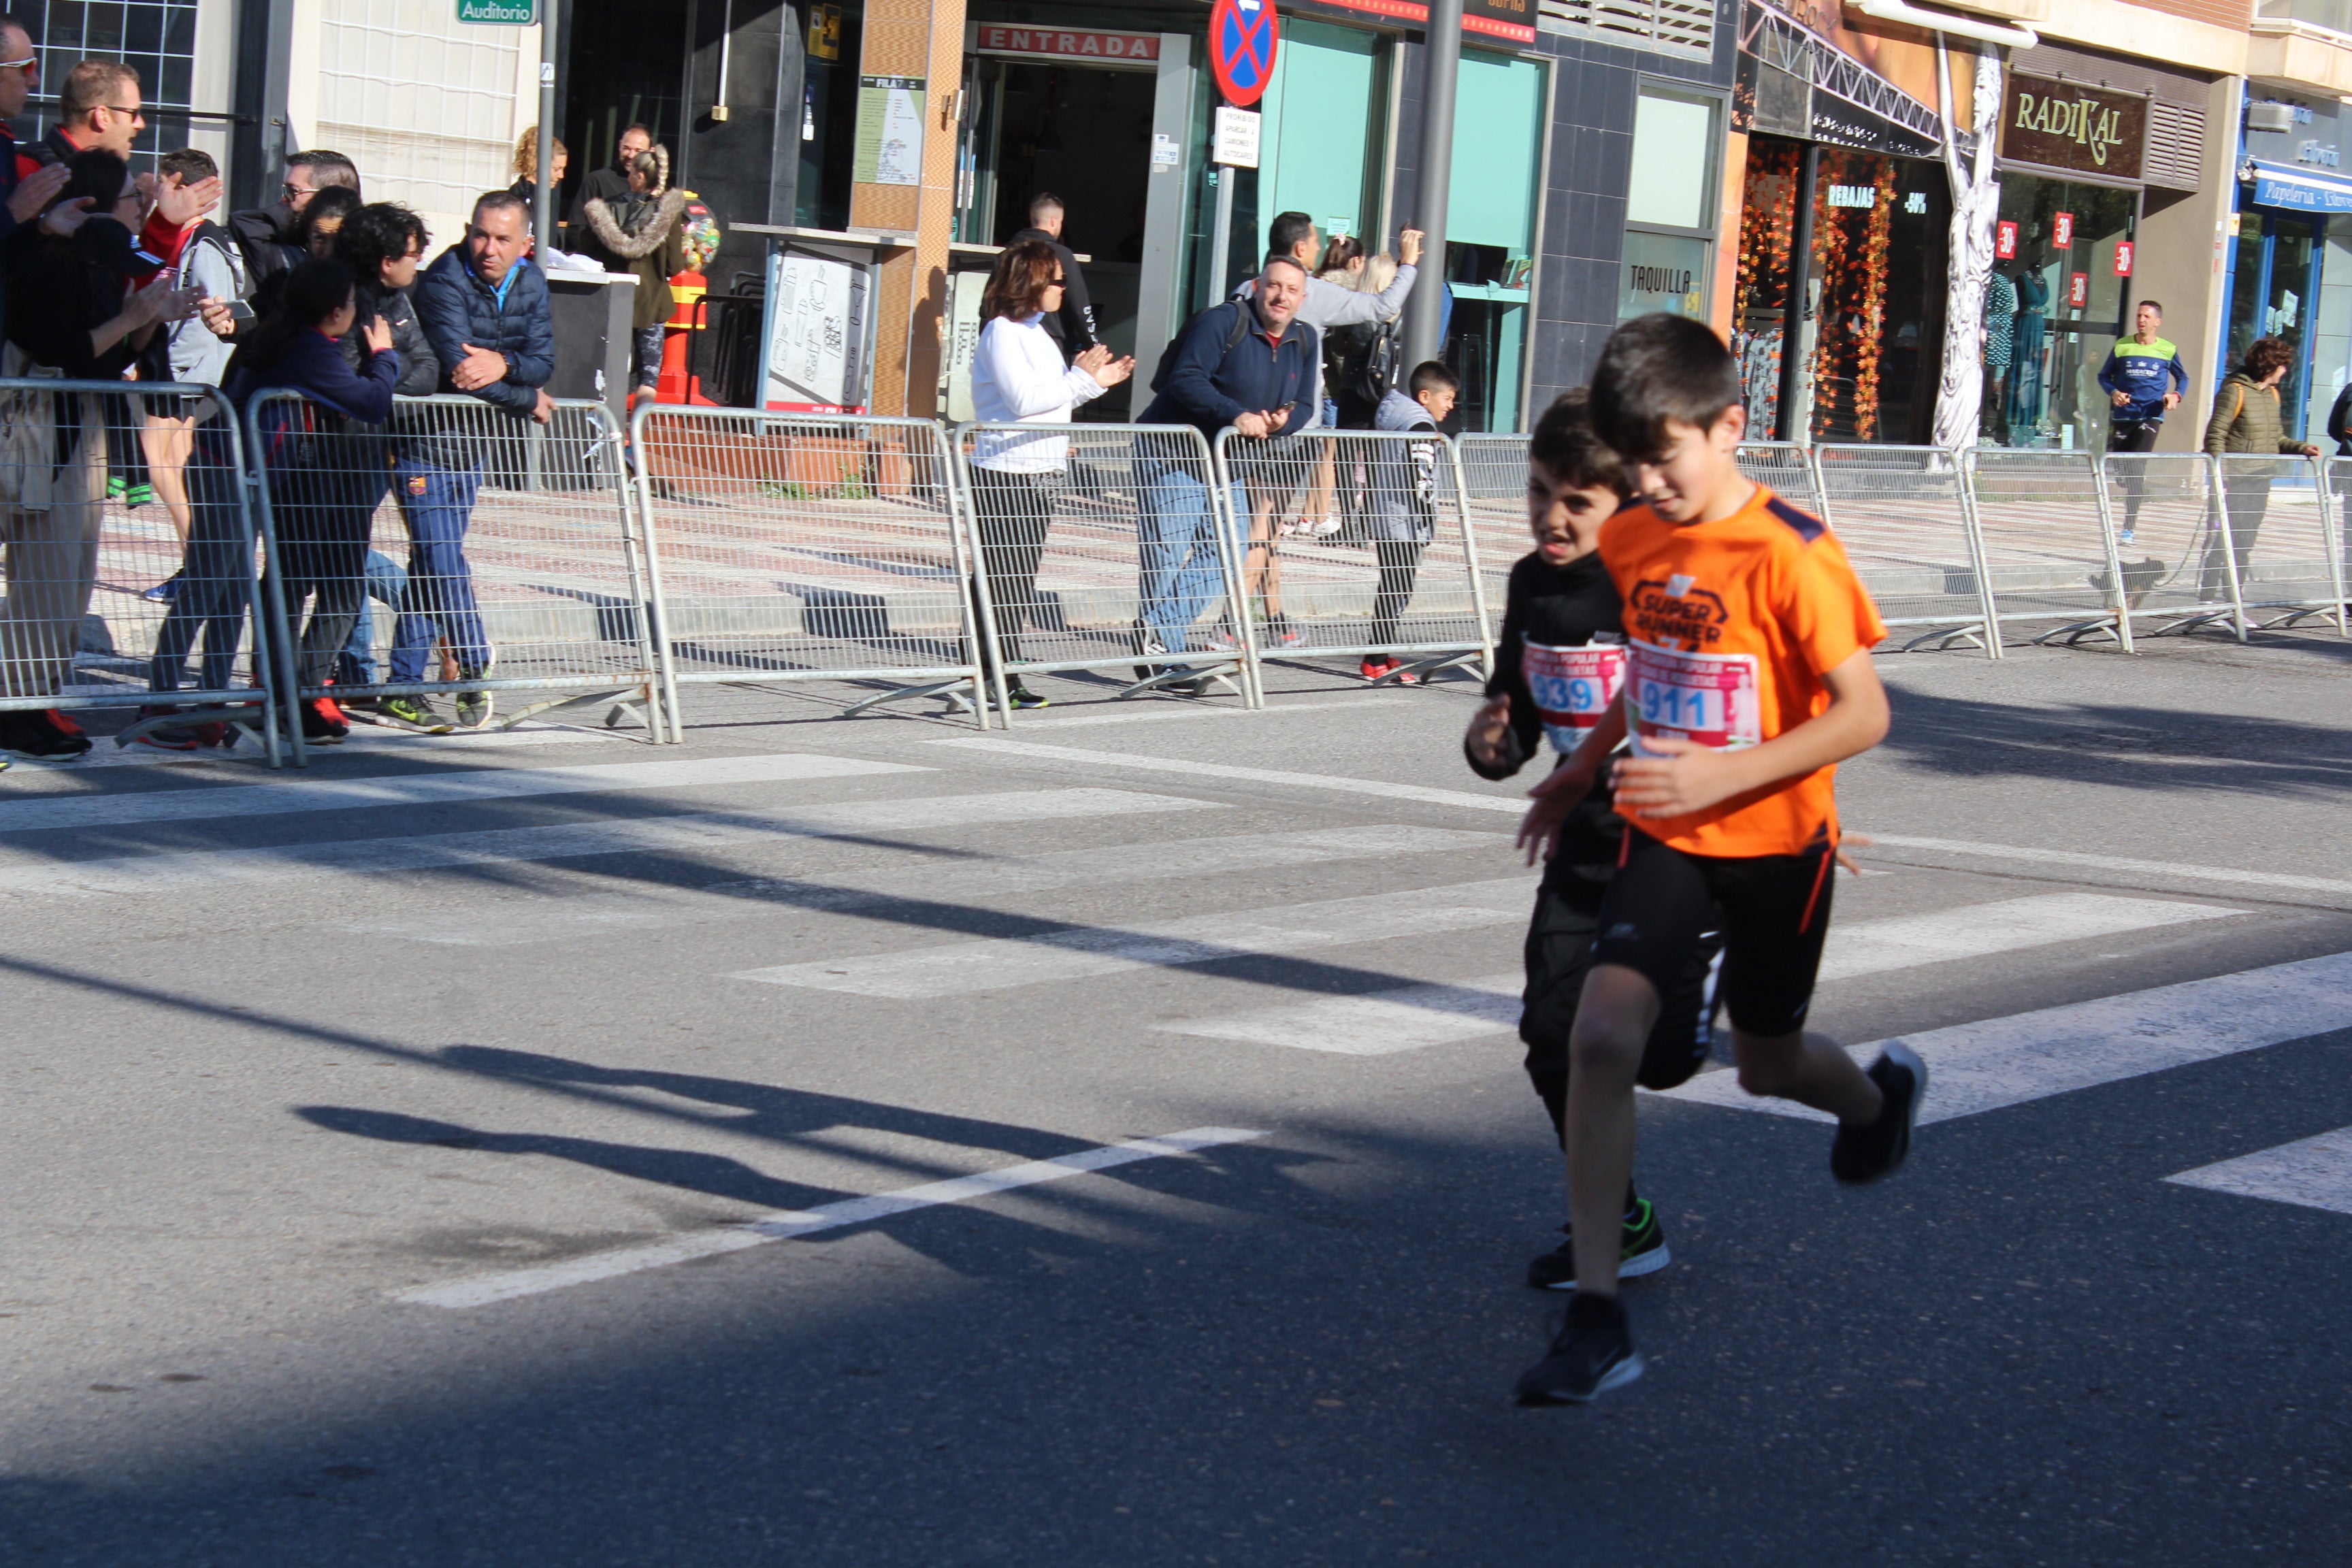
{"x":485,"y":310}
{"x":1248,"y":364}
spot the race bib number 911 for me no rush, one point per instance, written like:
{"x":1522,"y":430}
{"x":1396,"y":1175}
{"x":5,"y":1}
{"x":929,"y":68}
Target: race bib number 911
{"x":1707,"y":698}
{"x":1573,"y":688}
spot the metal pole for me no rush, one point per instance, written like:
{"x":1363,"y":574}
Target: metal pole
{"x":1221,"y":242}
{"x":543,"y":216}
{"x":1442,"y":55}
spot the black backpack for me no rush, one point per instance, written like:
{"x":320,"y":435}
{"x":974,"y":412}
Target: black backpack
{"x":1372,"y":372}
{"x":1240,"y":330}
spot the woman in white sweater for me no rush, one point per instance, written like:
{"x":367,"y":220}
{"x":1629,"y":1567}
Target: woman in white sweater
{"x":1017,"y":375}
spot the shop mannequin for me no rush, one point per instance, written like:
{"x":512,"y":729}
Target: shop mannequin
{"x":1999,"y":351}
{"x":2025,"y":355}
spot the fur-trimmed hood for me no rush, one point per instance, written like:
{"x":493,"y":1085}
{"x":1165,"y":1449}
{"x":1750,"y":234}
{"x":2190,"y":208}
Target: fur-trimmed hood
{"x":653,"y":221}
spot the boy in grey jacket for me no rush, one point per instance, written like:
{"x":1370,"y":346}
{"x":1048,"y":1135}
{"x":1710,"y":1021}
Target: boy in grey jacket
{"x":1404,"y":502}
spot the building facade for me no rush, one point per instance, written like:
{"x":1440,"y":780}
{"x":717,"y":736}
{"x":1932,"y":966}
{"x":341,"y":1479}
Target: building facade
{"x":1779,"y":168}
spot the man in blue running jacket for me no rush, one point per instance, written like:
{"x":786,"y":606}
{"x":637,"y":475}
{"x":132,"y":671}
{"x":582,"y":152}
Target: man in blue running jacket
{"x":2144,"y":379}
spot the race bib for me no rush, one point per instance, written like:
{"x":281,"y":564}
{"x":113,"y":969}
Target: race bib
{"x":1573,"y":688}
{"x":1709,"y":697}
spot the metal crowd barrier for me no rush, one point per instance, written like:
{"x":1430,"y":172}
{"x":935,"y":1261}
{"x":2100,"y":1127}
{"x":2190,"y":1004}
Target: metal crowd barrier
{"x":2160,"y":512}
{"x":1904,"y":515}
{"x":1492,"y":474}
{"x":1789,"y":469}
{"x":1101,"y":547}
{"x":794,"y":548}
{"x":2335,"y":515}
{"x":130,"y":544}
{"x":456,"y":552}
{"x":2277,"y":537}
{"x":2043,"y":536}
{"x":1398,"y":578}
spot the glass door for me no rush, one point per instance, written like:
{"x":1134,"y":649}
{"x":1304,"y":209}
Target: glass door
{"x":2273,"y":285}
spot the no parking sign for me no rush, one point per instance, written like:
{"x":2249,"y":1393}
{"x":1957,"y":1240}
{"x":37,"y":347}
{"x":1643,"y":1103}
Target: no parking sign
{"x":1243,"y":38}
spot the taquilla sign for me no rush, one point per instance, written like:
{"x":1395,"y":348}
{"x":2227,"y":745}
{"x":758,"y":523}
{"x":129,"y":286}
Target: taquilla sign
{"x":2069,"y":125}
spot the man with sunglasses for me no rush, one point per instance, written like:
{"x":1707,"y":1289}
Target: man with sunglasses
{"x":266,"y":234}
{"x":100,"y":109}
{"x":23,"y":196}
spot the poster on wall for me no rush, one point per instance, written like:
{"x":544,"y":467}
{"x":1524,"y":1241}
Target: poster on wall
{"x":815,"y":359}
{"x":889,"y":131}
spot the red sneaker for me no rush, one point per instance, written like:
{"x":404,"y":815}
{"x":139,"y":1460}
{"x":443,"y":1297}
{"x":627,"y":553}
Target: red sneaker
{"x":323,"y":723}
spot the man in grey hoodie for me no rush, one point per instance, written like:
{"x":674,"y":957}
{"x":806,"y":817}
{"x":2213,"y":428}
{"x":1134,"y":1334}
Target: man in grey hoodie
{"x":1404,"y":502}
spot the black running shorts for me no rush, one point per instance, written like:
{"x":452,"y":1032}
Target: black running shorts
{"x":1774,"y":910}
{"x":1559,"y":956}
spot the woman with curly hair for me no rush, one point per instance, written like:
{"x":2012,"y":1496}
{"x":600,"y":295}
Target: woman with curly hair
{"x":2247,"y":422}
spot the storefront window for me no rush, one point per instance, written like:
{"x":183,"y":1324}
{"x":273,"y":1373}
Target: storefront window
{"x":2273,"y":288}
{"x":1881,"y":234}
{"x":1768,"y":239}
{"x":1670,"y":207}
{"x":2057,"y":284}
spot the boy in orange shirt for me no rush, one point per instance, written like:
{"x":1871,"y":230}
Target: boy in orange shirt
{"x":1749,"y":681}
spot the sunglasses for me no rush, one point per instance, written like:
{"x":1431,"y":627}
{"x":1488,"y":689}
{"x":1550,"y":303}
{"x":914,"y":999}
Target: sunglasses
{"x":28,"y":65}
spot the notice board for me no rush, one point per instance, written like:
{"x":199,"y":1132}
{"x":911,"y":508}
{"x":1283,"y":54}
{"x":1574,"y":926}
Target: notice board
{"x":818,"y":323}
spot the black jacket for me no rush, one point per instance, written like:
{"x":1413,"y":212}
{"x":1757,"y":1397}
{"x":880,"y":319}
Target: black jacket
{"x":1072,"y":327}
{"x":1557,"y":607}
{"x":262,"y":235}
{"x":2340,"y":423}
{"x":420,"y":372}
{"x":606,"y":186}
{"x":56,"y":295}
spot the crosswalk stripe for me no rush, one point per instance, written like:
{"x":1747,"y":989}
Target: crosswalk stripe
{"x":1973,"y":931}
{"x":1980,"y":1067}
{"x":1515,"y":803}
{"x":2315,"y":1173}
{"x":968,"y":882}
{"x":699,"y":833}
{"x":961,"y":968}
{"x":247,"y":756}
{"x":27,"y":816}
{"x":483,"y":1291}
{"x":2171,"y":868}
{"x":1198,"y":710}
{"x":1380,"y":1023}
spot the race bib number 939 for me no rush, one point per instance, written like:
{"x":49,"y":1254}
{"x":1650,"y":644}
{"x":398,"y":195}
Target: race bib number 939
{"x":1573,"y":688}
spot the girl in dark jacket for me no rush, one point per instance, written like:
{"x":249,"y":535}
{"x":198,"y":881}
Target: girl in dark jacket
{"x":323,"y":484}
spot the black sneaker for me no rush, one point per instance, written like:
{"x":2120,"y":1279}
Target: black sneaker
{"x":44,"y":735}
{"x":1022,"y":697}
{"x":1593,"y":1353}
{"x":1147,"y":642}
{"x":323,"y":723}
{"x":1646,"y":1252}
{"x":475,"y":707}
{"x":1866,"y":1153}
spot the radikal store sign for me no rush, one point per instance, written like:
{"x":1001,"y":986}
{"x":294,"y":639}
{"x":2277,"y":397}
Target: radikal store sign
{"x":2067,"y":125}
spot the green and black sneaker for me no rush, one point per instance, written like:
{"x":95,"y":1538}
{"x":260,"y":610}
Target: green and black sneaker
{"x":413,"y":713}
{"x":1023,"y":698}
{"x":1646,"y":1252}
{"x":475,"y":706}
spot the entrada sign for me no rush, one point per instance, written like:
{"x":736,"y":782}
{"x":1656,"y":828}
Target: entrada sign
{"x":2065,"y":125}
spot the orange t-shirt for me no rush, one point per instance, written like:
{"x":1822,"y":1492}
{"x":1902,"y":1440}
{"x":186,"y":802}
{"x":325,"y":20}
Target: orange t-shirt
{"x":1731,"y":624}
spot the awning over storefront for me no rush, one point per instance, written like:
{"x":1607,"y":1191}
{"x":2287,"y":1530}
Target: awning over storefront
{"x":2299,"y":190}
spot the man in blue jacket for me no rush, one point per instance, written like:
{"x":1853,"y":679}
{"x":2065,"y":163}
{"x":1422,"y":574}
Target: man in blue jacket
{"x":1249,"y":364}
{"x":484,"y":308}
{"x":2144,"y":379}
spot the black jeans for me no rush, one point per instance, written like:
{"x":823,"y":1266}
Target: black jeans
{"x":2133,"y":435}
{"x":1399,"y":561}
{"x":1012,"y":510}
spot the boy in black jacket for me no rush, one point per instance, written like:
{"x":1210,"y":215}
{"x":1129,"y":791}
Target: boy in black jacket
{"x":1557,"y":668}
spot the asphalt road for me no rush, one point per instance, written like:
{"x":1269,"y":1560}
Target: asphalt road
{"x":379,"y":1159}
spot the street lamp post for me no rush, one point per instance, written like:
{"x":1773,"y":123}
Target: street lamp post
{"x":1442,"y":53}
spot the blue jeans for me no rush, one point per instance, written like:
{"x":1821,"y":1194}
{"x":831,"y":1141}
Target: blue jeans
{"x":438,"y":503}
{"x":216,"y":577}
{"x":355,"y":665}
{"x":1180,"y":570}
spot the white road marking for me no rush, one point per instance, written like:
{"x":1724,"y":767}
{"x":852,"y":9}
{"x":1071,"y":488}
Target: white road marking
{"x":963,"y":882}
{"x":27,"y":816}
{"x":247,"y":757}
{"x":1515,"y":803}
{"x":487,"y":1289}
{"x":2115,"y":863}
{"x":1980,"y":1067}
{"x":2315,"y":1172}
{"x":1973,"y":930}
{"x":1195,"y":710}
{"x":961,"y":968}
{"x":1380,"y":1023}
{"x":695,"y":834}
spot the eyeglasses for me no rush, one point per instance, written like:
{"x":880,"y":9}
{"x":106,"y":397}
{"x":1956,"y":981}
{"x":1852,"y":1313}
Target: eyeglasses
{"x":292,"y":190}
{"x":1058,"y":283}
{"x":136,"y":117}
